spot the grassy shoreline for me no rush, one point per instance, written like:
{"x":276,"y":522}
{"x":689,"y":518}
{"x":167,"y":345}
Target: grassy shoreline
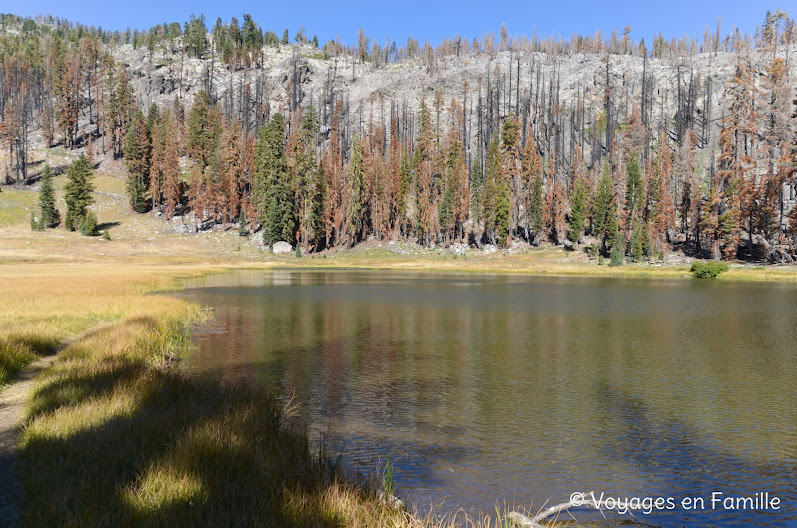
{"x":113,"y":436}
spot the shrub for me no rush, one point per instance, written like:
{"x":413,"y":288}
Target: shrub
{"x":708,"y":270}
{"x":35,"y":225}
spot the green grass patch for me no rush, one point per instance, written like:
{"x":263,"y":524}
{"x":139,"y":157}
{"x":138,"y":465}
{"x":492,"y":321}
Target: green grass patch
{"x":708,"y":269}
{"x":15,"y":206}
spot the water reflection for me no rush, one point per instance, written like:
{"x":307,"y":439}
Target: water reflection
{"x":491,"y":388}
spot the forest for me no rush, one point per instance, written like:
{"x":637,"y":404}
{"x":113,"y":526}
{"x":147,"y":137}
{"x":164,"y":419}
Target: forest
{"x":698,"y":153}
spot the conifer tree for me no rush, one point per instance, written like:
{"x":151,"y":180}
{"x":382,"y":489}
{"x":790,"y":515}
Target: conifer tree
{"x":555,"y":206}
{"x":276,"y":211}
{"x":77,"y":192}
{"x":243,"y":230}
{"x":531,"y":171}
{"x":578,"y":211}
{"x":50,"y":217}
{"x":511,"y":167}
{"x":503,"y":206}
{"x":477,"y":194}
{"x":137,"y":151}
{"x":634,"y":189}
{"x":354,"y":201}
{"x":603,"y":211}
{"x":170,"y":167}
{"x":536,"y":209}
{"x":424,"y":168}
{"x":303,"y":166}
{"x":492,"y":189}
{"x":204,"y":129}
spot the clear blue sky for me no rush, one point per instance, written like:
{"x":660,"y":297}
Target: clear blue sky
{"x":424,"y":20}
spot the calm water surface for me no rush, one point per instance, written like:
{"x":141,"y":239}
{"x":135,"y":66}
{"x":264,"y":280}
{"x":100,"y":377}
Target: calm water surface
{"x":486,"y":390}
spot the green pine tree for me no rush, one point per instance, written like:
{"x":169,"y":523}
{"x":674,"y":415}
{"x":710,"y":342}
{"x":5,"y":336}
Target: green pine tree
{"x":477,"y":187}
{"x":636,"y":243}
{"x":354,"y":209}
{"x":633,"y":188}
{"x":273,"y":189}
{"x":603,"y":212}
{"x":578,"y":211}
{"x":89,"y":225}
{"x":503,"y":207}
{"x":49,"y":213}
{"x":242,"y":229}
{"x":137,"y":160}
{"x":77,"y":192}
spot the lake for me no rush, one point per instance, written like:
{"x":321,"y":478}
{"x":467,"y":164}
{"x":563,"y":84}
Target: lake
{"x":485,"y":390}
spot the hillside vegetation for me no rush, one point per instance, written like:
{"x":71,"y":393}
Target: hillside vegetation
{"x":603,"y":145}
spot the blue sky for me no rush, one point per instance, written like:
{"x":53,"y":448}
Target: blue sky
{"x":425,"y":19}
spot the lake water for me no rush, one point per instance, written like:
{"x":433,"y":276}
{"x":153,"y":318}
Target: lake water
{"x":485,"y":390}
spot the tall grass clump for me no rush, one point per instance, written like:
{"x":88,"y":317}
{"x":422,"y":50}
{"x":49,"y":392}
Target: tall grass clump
{"x":13,"y":357}
{"x":17,"y":351}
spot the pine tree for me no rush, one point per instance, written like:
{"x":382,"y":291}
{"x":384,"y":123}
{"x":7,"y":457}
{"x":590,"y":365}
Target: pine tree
{"x":276,"y":206}
{"x":531,"y":172}
{"x":170,"y":168}
{"x":503,"y":212}
{"x":204,"y":129}
{"x":77,"y":192}
{"x":555,"y":203}
{"x":243,"y":230}
{"x":634,"y":189}
{"x":50,"y":217}
{"x":477,"y":194}
{"x":511,"y":167}
{"x":424,"y":168}
{"x":492,"y":189}
{"x":305,"y":173}
{"x":137,"y":152}
{"x":536,"y":209}
{"x":88,"y":227}
{"x":354,"y":203}
{"x":602,"y":205}
{"x":578,"y":211}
